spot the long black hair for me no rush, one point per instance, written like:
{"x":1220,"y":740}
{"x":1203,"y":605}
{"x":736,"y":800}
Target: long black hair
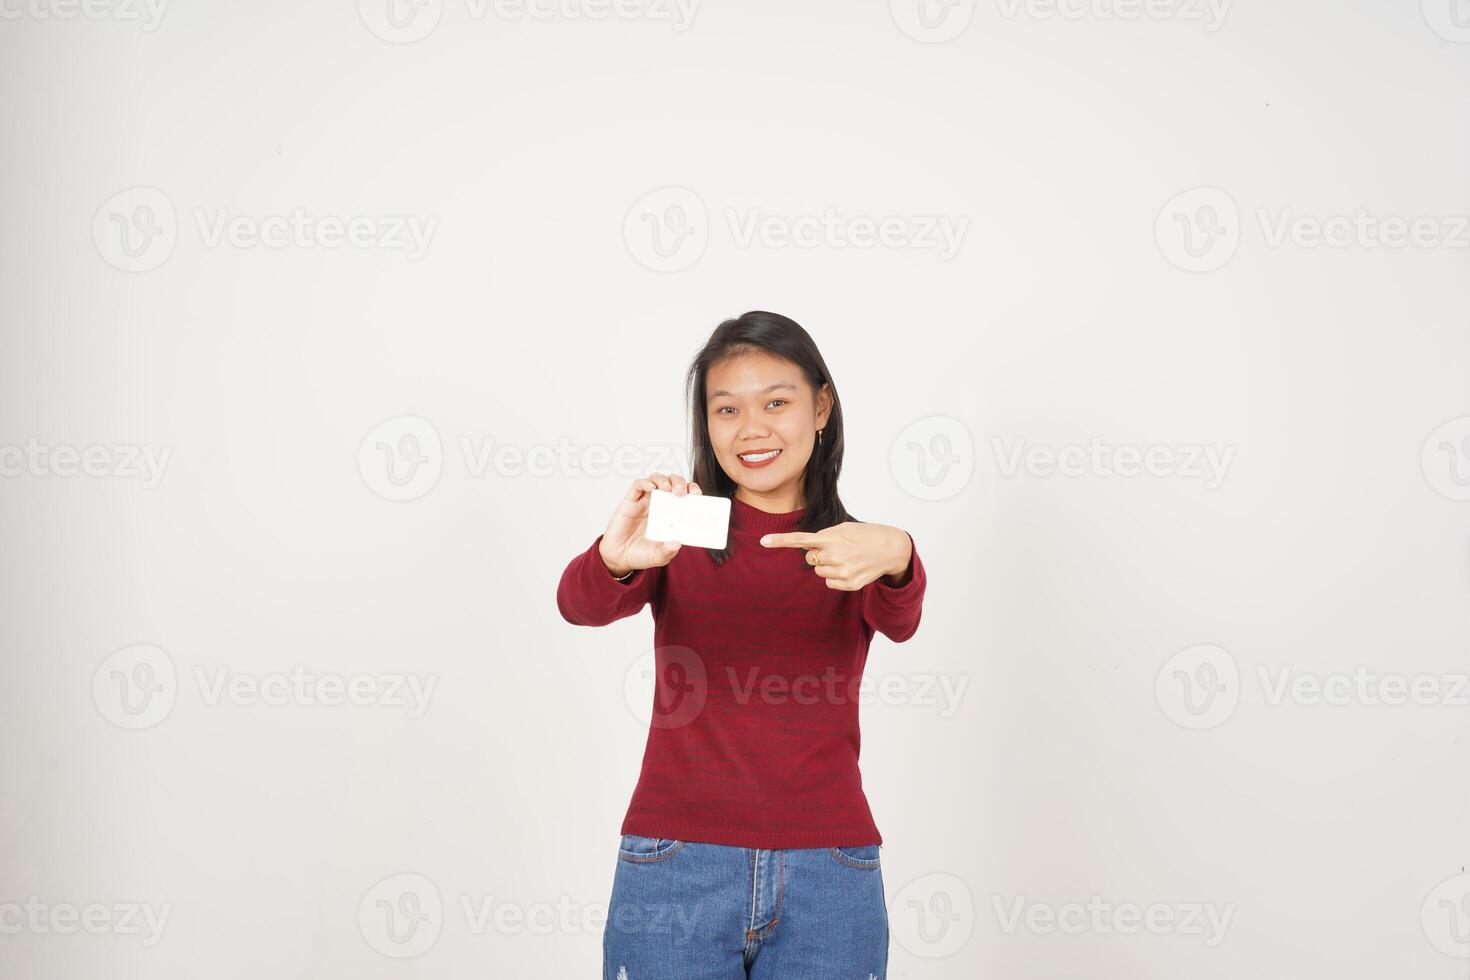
{"x":783,"y":337}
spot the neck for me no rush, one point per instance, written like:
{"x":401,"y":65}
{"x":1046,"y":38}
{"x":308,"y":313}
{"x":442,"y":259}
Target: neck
{"x":749,"y":519}
{"x":777,"y":502}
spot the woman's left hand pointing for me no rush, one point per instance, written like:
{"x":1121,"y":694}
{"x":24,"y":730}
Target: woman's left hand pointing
{"x":852,"y":554}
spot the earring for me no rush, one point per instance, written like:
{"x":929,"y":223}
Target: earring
{"x":819,"y":437}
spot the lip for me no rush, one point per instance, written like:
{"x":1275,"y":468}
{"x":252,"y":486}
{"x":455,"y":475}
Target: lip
{"x":764,"y":462}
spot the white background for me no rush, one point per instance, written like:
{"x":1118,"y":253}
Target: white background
{"x":541,"y":315}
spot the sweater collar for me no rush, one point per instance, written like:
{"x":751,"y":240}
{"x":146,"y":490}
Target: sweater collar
{"x":744,"y":517}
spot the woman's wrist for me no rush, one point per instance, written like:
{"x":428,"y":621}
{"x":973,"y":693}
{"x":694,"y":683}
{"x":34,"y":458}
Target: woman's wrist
{"x":618,"y":574}
{"x":901,"y":570}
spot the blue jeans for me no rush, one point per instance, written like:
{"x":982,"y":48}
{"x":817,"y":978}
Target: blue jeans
{"x":684,"y":910}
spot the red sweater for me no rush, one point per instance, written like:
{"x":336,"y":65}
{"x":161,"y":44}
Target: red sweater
{"x":754,"y":740}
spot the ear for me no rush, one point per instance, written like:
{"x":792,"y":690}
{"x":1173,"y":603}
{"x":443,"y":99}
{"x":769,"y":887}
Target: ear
{"x":824,"y":404}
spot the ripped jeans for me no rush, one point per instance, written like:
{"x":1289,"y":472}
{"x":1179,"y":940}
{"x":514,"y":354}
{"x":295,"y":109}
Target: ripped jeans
{"x":684,"y":910}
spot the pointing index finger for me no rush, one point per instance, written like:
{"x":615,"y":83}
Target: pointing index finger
{"x":791,"y":539}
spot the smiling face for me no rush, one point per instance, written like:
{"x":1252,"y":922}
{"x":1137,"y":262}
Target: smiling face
{"x":763,"y":421}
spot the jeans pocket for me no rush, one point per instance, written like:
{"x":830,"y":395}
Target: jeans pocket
{"x":643,"y":850}
{"x":863,"y":856}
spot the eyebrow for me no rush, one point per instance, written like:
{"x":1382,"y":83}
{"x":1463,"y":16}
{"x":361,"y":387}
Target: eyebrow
{"x":769,"y":389}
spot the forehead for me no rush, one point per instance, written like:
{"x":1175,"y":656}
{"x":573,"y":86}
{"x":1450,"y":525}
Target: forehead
{"x":754,"y":373}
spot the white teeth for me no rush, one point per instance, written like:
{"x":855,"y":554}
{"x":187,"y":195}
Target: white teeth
{"x":761,"y":456}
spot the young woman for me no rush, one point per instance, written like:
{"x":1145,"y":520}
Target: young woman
{"x":748,"y":850}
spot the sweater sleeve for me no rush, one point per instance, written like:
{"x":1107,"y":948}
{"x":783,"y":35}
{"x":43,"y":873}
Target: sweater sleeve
{"x":588,"y":595}
{"x":894,"y":611}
